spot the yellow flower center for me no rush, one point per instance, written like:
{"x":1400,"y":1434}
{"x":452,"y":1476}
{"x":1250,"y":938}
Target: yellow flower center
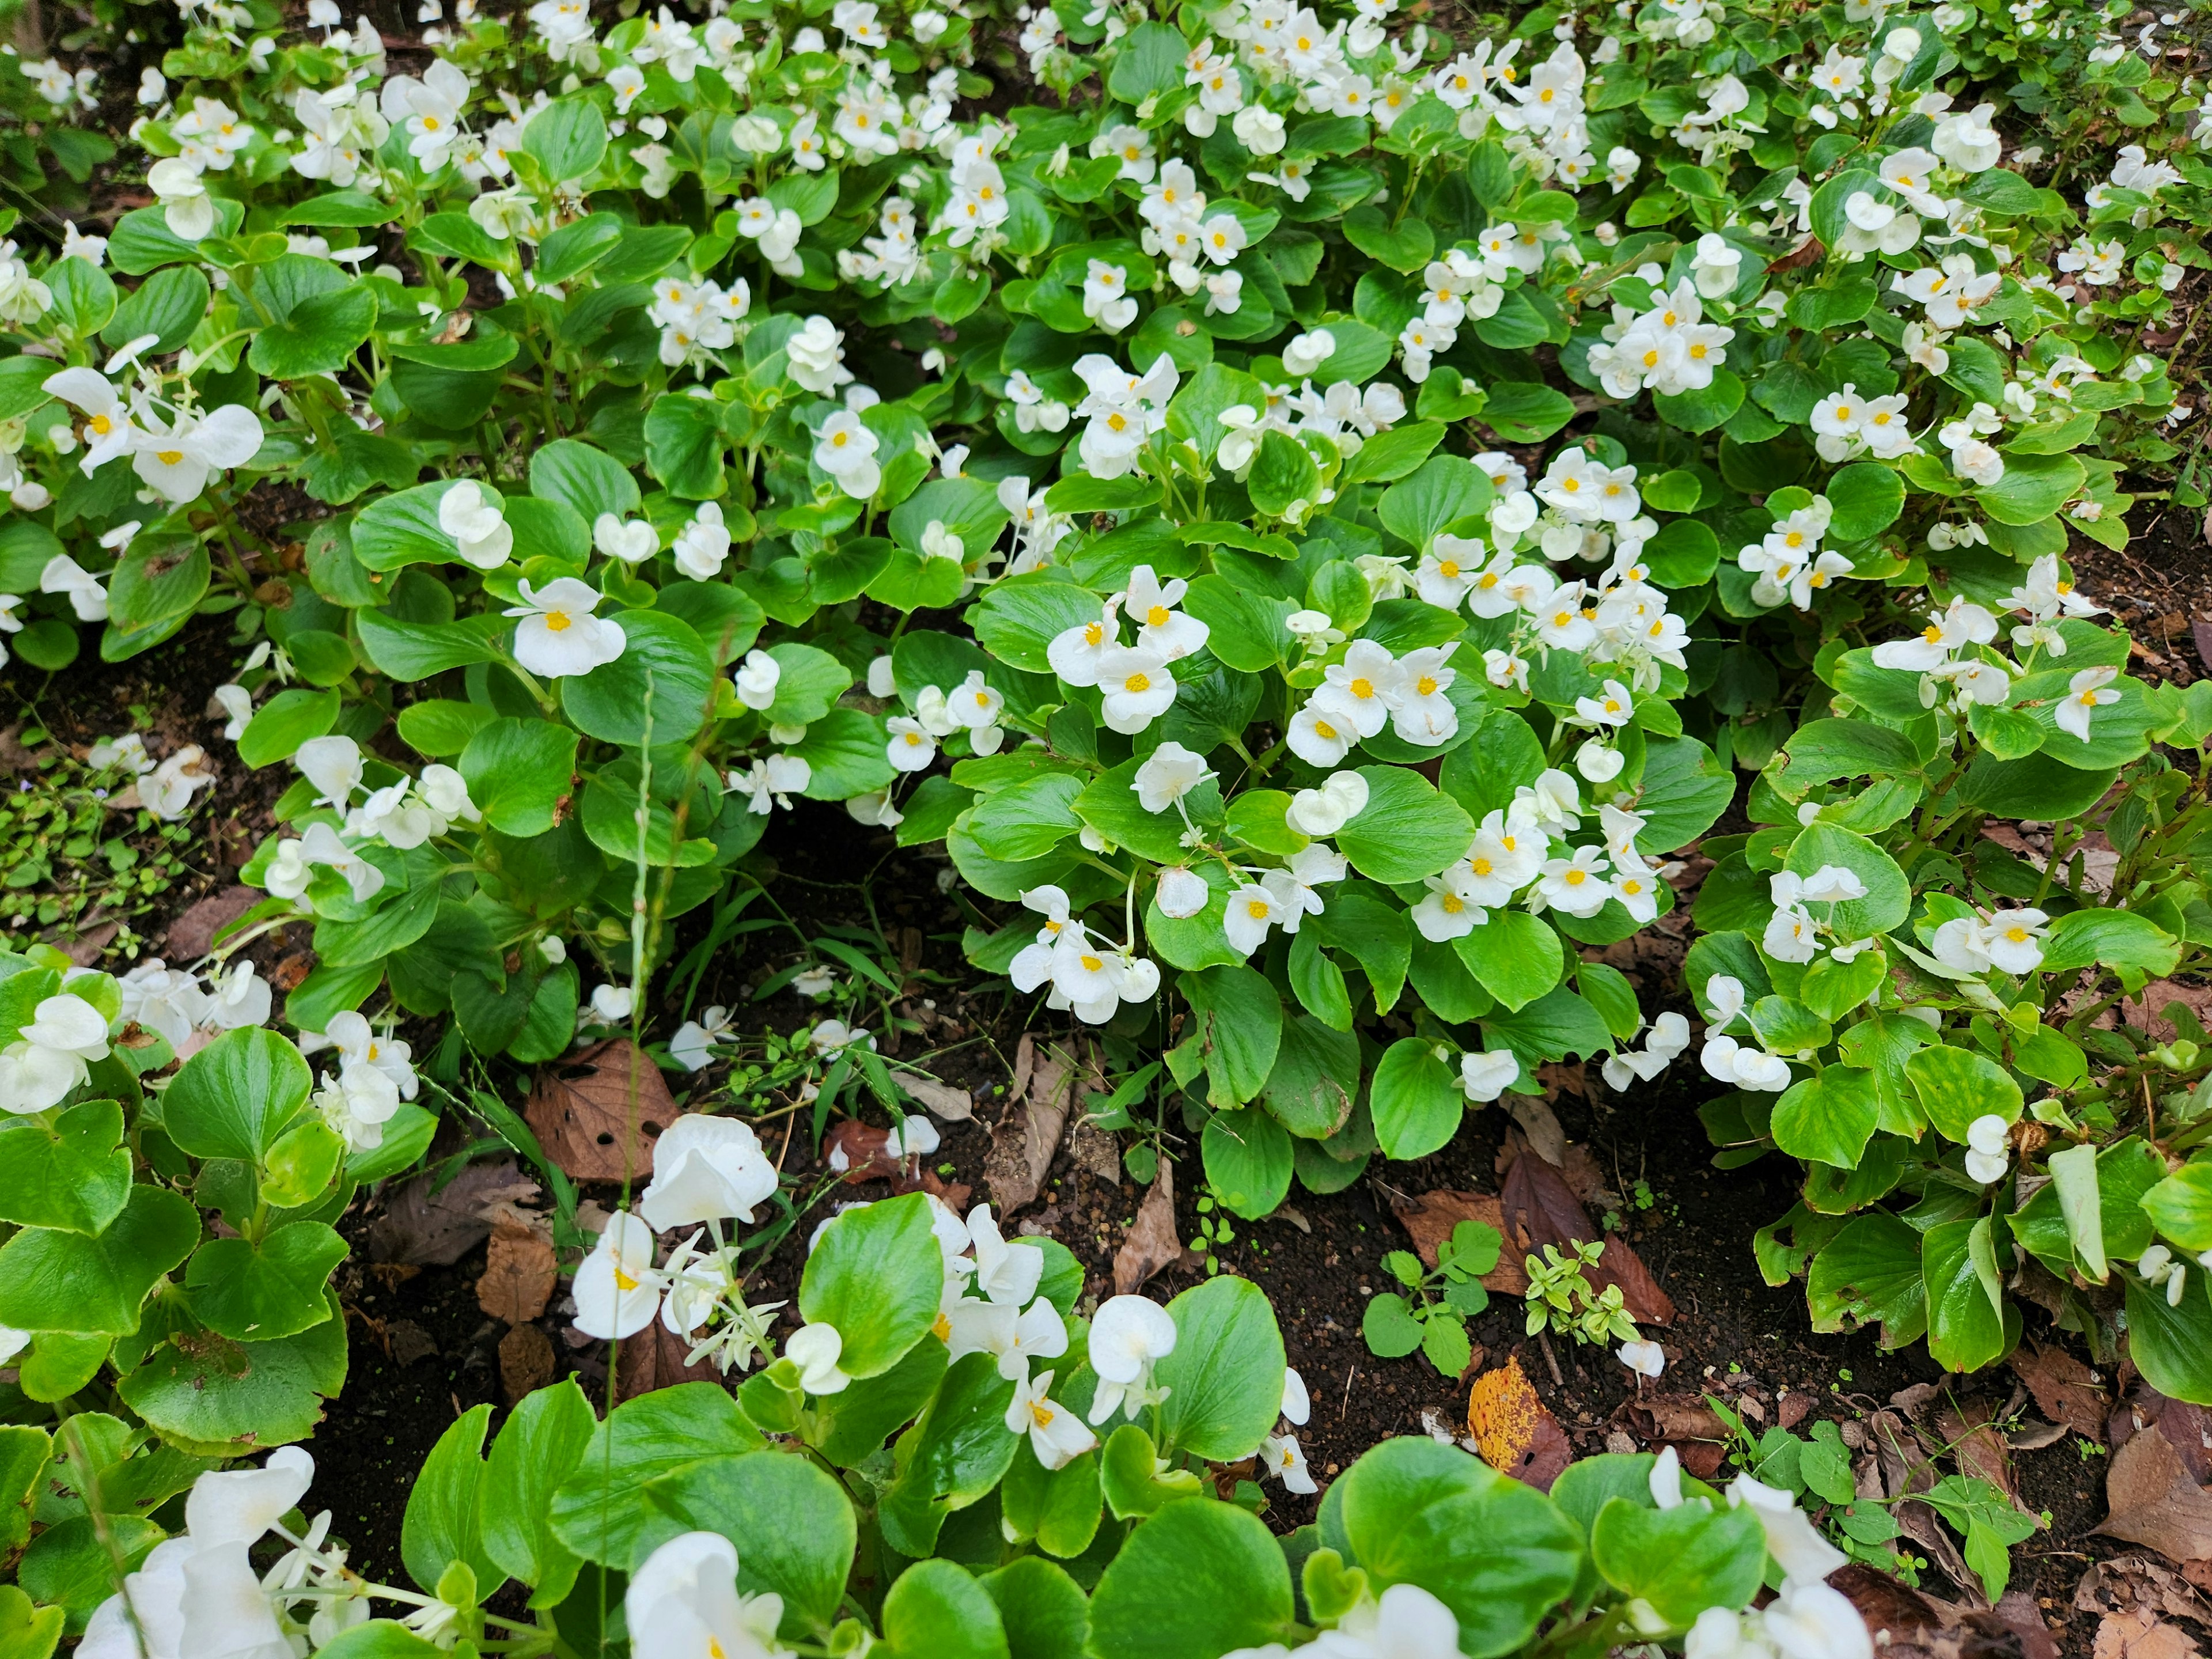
{"x":100,"y":424}
{"x":1041,"y":1414}
{"x":1323,"y":728}
{"x":1448,"y":569}
{"x":1157,"y":616}
{"x":1090,"y":964}
{"x":1256,"y":908}
{"x":170,"y":457}
{"x":557,"y":621}
{"x":1138,"y":683}
{"x":1426,"y":685}
{"x":1576,"y":878}
{"x":1452,"y":903}
{"x":624,"y":1281}
{"x":1363,"y":688}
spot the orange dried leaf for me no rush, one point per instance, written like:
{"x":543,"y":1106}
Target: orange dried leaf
{"x":1502,"y":1414}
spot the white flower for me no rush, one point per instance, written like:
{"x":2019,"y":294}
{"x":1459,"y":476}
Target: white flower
{"x":1985,"y":1148}
{"x":1484,"y":1077}
{"x":1149,"y":602}
{"x":1182,"y":892}
{"x":235,"y":704}
{"x":633,"y":541}
{"x":845,"y":448}
{"x":815,"y":1349}
{"x":683,"y":1603}
{"x":1809,"y":1620}
{"x":240,"y":998}
{"x":1169,"y":773}
{"x":1644,"y":1359}
{"x":1280,"y":1456}
{"x":1714,"y":266}
{"x":166,"y":792}
{"x":912,"y":747}
{"x":612,"y":1004}
{"x":706,"y":1169}
{"x":975,"y":705}
{"x":1138,"y":686}
{"x":1341,"y":797}
{"x":1802,"y":1554}
{"x":831,"y":1038}
{"x":618,"y":1288}
{"x":162,"y":999}
{"x":558,"y":634}
{"x":176,"y":461}
{"x":756,"y":678}
{"x":693,"y":1045}
{"x":704,"y":543}
{"x":1057,"y":1435}
{"x":1005,"y":1272}
{"x":63,"y":575}
{"x":1308,"y":352}
{"x":2086,"y":691}
{"x":1407,"y":1623}
{"x":815,"y":356}
{"x":1129,"y":1337}
{"x":186,"y":207}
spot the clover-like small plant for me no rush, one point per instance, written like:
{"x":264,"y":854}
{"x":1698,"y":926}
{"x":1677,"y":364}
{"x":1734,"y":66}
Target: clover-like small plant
{"x":1432,"y":1313}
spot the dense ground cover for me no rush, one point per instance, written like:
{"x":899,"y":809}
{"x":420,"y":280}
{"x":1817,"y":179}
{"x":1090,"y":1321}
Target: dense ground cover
{"x":1237,"y":587}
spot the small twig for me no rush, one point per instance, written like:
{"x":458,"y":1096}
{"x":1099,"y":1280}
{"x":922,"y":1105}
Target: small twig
{"x":1344,"y":1406}
{"x":1551,"y":1360}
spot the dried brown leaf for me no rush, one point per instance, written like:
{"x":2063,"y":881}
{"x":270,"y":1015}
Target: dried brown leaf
{"x":1541,"y":1208}
{"x":425,"y":1226}
{"x":520,"y":1273}
{"x":193,"y":933}
{"x":953,"y":1105}
{"x":2139,"y":1633}
{"x":1153,"y":1243}
{"x":598,"y":1113}
{"x":525,"y":1362}
{"x":2154,"y":1501}
{"x":2187,"y":1427}
{"x":1514,"y":1430}
{"x":1979,"y":1449}
{"x":654,"y":1359}
{"x":1027,"y":1136}
{"x":2062,"y":1388}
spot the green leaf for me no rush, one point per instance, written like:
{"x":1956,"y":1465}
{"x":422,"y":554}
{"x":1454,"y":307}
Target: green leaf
{"x":1870,"y":1273}
{"x":937,"y":1610}
{"x":1704,"y":409}
{"x":957,"y":1452}
{"x":319,"y":337}
{"x":2179,"y":1207}
{"x":1445,"y":489}
{"x":518,"y":771}
{"x":1889,"y":895}
{"x":2119,"y":939}
{"x":1406,"y":831}
{"x":444,"y":1523}
{"x":1314,"y":1079}
{"x":1238,"y":1026}
{"x":53,"y":1280}
{"x":235,"y":1096}
{"x":792,"y":1524}
{"x":567,"y":138}
{"x":1017,"y":618}
{"x":1682,"y":1560}
{"x":255,"y":1293}
{"x":2173,"y":1346}
{"x":1867,"y":497}
{"x":1526,"y":412}
{"x":1283,"y":474}
{"x":1514,"y":956}
{"x":1196,"y":1580}
{"x":659,"y":690}
{"x":1147,"y":63}
{"x":1045,"y":1613}
{"x":1828,"y":1119}
{"x":1225,"y":1375}
{"x":809,"y":683}
{"x":288,"y":720}
{"x":2032,"y":488}
{"x":73,"y":1174}
{"x":683,"y":446}
{"x":1500,"y":1555}
{"x":1405,"y":246}
{"x":595,"y":1511}
{"x":1029,"y":819}
{"x":875,"y":1275}
{"x":1389,"y":1327}
{"x":1249,"y":1160}
{"x":1957,"y":1086}
{"x":168,"y":305}
{"x":1965,"y":1300}
{"x":1416,"y":1099}
{"x":539,"y":1447}
{"x":1394,"y":454}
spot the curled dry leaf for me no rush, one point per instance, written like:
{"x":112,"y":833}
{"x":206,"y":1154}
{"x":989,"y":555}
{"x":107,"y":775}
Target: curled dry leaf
{"x":2063,"y":1388}
{"x":1540,"y":1208}
{"x":1980,"y":1451}
{"x":2187,"y":1428}
{"x":2154,"y":1501}
{"x":1153,"y":1242}
{"x":598,"y":1113}
{"x":943,"y":1100}
{"x":2139,"y":1633}
{"x":425,"y":1224}
{"x":1514,"y":1430}
{"x":520,"y":1273}
{"x":1023,"y":1143}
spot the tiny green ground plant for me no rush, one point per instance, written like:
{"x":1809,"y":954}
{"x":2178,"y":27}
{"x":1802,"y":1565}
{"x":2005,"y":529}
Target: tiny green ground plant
{"x":1431,"y":1313}
{"x":1562,"y":1298}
